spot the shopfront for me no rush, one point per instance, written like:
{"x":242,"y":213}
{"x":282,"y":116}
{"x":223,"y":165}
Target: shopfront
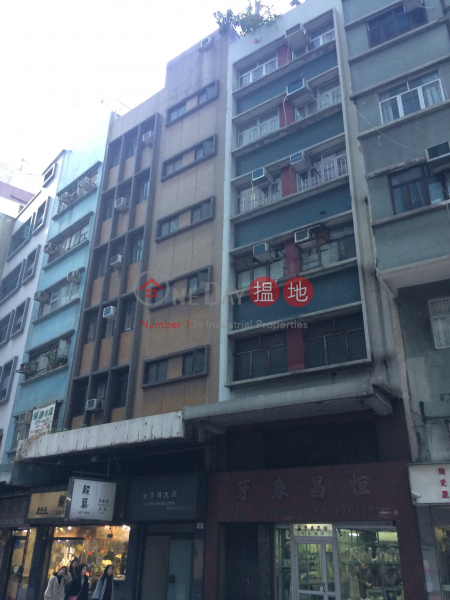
{"x":170,"y":513}
{"x":430,"y":485}
{"x":325,"y":533}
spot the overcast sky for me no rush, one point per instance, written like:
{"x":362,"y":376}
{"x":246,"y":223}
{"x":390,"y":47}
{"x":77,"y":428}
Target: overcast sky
{"x":61,"y":58}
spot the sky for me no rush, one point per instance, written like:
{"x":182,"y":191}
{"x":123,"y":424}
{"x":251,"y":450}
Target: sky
{"x":64,"y":60}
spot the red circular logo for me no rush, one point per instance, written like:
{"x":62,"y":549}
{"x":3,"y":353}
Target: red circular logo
{"x":298,"y":291}
{"x":264,"y":291}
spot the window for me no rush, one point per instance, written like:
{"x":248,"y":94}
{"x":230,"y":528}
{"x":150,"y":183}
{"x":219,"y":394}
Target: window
{"x":9,"y":283}
{"x":91,"y":328}
{"x":340,"y":246}
{"x":254,"y":197}
{"x":196,"y":283}
{"x":131,"y":148}
{"x":126,"y":193}
{"x":260,"y":356}
{"x":161,"y":297}
{"x":259,"y":127}
{"x":115,"y":156}
{"x":4,"y":326}
{"x":79,"y":399}
{"x":319,"y":37}
{"x":108,"y":209}
{"x":6,"y":380}
{"x":144,"y":191}
{"x":440,"y":322}
{"x":259,"y":69}
{"x":39,"y":216}
{"x":411,"y":96}
{"x":169,"y":226}
{"x":21,"y":430}
{"x":130,"y":311}
{"x":119,"y":395}
{"x":29,"y":265}
{"x":194,"y":362}
{"x":71,"y":240}
{"x":206,"y":148}
{"x":325,"y":96}
{"x":156,"y":371}
{"x":176,"y":112}
{"x":325,"y":168}
{"x":248,"y":269}
{"x":108,"y":328}
{"x":416,"y":188}
{"x":335,"y":341}
{"x":393,"y":23}
{"x":201,"y":212}
{"x":100,"y":264}
{"x":172,"y":166}
{"x":209,"y":92}
{"x":19,"y":318}
{"x":136,"y":250}
{"x":49,"y":174}
{"x":20,"y":237}
{"x":59,"y":296}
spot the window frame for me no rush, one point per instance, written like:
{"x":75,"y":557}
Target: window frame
{"x":174,"y":165}
{"x":258,"y":127}
{"x":175,"y":216}
{"x":260,"y":64}
{"x":166,"y":358}
{"x":129,"y":316}
{"x":144,"y":191}
{"x":177,"y":109}
{"x":259,"y":349}
{"x":433,"y":318}
{"x":37,"y":226}
{"x":26,"y":304}
{"x":337,"y":241}
{"x":137,"y":248}
{"x":254,"y":197}
{"x":18,"y":269}
{"x":92,"y":317}
{"x":390,"y":16}
{"x":13,"y":363}
{"x":131,"y":147}
{"x":169,"y":284}
{"x":7,"y":320}
{"x":29,"y":222}
{"x":56,"y":290}
{"x":439,"y":179}
{"x":33,"y":265}
{"x":36,"y":354}
{"x":119,"y":395}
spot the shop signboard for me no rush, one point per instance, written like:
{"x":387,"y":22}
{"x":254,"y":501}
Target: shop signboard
{"x":178,"y":498}
{"x":13,"y":511}
{"x":91,"y":500}
{"x":42,"y":420}
{"x":47,"y":505}
{"x":430,"y":484}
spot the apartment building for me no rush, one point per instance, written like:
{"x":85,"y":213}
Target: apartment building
{"x":399,"y":62}
{"x":145,"y":349}
{"x":310,"y":494}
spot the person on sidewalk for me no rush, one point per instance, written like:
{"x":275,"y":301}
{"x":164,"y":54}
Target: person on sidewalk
{"x":79,"y":588}
{"x":56,"y":587}
{"x":105,"y":586}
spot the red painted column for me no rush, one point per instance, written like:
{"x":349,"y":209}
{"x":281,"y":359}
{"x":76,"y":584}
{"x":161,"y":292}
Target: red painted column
{"x":295,"y":349}
{"x":284,"y":55}
{"x":288,"y":181}
{"x":291,"y":258}
{"x":286,"y":113}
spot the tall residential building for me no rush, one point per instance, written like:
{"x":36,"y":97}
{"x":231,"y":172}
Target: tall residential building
{"x":12,"y":201}
{"x":22,"y":247}
{"x":400,"y":81}
{"x":139,"y":358}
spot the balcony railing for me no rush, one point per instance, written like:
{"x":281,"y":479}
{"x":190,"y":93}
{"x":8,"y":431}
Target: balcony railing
{"x":259,"y":131}
{"x":322,"y":102}
{"x":321,"y":172}
{"x":329,"y":36}
{"x":254,"y":198}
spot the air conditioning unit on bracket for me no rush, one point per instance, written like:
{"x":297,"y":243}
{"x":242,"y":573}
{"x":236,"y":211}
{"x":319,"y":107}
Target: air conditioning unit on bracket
{"x":86,"y":184}
{"x":50,"y":248}
{"x":299,"y":161}
{"x":206,"y":43}
{"x":93,"y":404}
{"x":263,"y":253}
{"x":148,"y":138}
{"x":42,"y":296}
{"x":25,"y":417}
{"x":74,"y":276}
{"x":261,"y":177}
{"x":410,"y":5}
{"x":116,"y":261}
{"x":109,"y":312}
{"x":67,"y":198}
{"x":121,"y":204}
{"x":438,"y":157}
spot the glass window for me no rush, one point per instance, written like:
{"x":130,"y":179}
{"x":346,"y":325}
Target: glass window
{"x":169,"y":226}
{"x":101,"y":264}
{"x":173,"y":166}
{"x":108,"y":209}
{"x":79,"y":399}
{"x":4,"y":325}
{"x":259,"y":127}
{"x":416,"y":188}
{"x":208,"y":93}
{"x":411,"y":96}
{"x":194,"y":362}
{"x":130,"y":310}
{"x":18,"y":318}
{"x":20,"y":237}
{"x":393,"y":23}
{"x":177,"y":112}
{"x":39,"y":215}
{"x":205,"y":149}
{"x":259,"y":69}
{"x":29,"y":266}
{"x":94,"y":546}
{"x":115,"y":156}
{"x":197,"y":282}
{"x":136,"y":250}
{"x":92,"y":320}
{"x":260,"y":356}
{"x":59,"y":297}
{"x":144,"y":190}
{"x":156,"y":371}
{"x":9,"y":283}
{"x":119,"y":396}
{"x":255,"y":197}
{"x":204,"y":211}
{"x":340,"y":246}
{"x":440,"y":322}
{"x":131,"y":147}
{"x":5,"y":380}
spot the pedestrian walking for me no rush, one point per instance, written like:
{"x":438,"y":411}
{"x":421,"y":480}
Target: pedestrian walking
{"x":105,"y":586}
{"x":79,"y":587}
{"x":56,"y":587}
{"x":73,"y":571}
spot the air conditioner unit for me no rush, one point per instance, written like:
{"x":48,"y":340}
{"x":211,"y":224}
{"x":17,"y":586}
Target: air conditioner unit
{"x":299,"y":88}
{"x":50,"y":248}
{"x":42,"y":296}
{"x":148,"y":138}
{"x":94,"y":404}
{"x":121,"y":204}
{"x":263,"y":253}
{"x":303,"y":237}
{"x":297,"y":36}
{"x":109,"y":313}
{"x":261,"y":176}
{"x":206,"y":43}
{"x":67,"y":198}
{"x":25,"y":417}
{"x":74,"y":276}
{"x":116,"y":260}
{"x":438,"y":156}
{"x":86,"y":184}
{"x":27,"y":369}
{"x":299,"y":161}
{"x":410,"y":5}
{"x":63,"y":348}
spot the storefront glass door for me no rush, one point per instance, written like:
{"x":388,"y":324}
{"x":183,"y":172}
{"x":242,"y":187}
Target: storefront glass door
{"x":316,"y":569}
{"x":19,"y":569}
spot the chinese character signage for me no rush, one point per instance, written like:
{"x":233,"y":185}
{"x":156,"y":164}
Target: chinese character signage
{"x":179,"y":498}
{"x":91,"y":500}
{"x":313,"y":530}
{"x":48,"y":505}
{"x":41,"y":421}
{"x":430,"y":484}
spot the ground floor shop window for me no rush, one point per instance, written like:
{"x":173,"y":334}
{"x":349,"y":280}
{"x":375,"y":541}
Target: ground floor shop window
{"x":443,"y":544}
{"x":330,"y":562}
{"x":20,"y":563}
{"x":98,"y":547}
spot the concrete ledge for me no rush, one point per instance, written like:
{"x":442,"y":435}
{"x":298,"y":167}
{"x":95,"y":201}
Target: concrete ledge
{"x":145,"y":429}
